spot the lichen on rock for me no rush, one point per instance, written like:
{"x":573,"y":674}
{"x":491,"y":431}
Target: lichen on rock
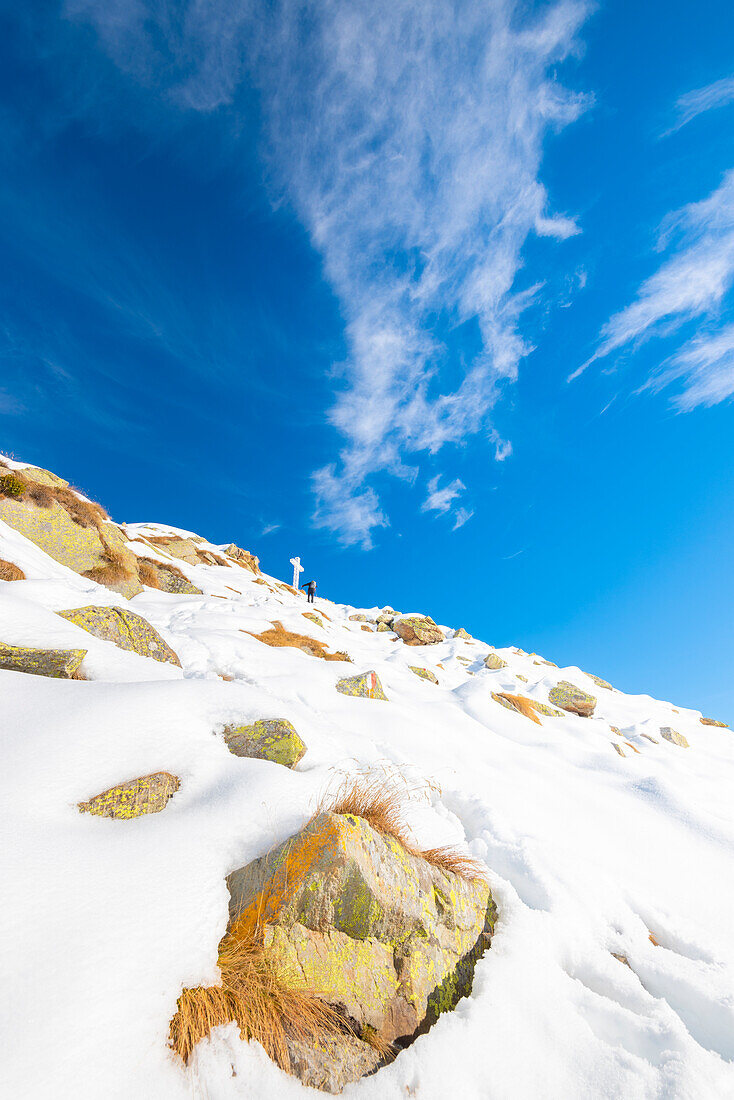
{"x":382,"y":934}
{"x":424,"y":673}
{"x":273,"y":739}
{"x":365,"y":684}
{"x":124,"y":628}
{"x":149,"y":794}
{"x":418,"y":630}
{"x":571,"y":698}
{"x":60,"y":664}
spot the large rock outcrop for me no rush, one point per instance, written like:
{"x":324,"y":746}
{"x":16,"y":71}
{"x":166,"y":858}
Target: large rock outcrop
{"x":72,"y":530}
{"x":380,"y":933}
{"x":418,"y":630}
{"x":125,"y":629}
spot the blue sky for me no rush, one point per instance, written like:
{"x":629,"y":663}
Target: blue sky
{"x":437,"y":295}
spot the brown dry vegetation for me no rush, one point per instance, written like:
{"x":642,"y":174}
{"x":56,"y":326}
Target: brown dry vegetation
{"x":380,"y":800}
{"x":257,"y":1000}
{"x":84,"y":512}
{"x":9,"y":571}
{"x":279,"y":637}
{"x":148,"y":572}
{"x":521,"y":704}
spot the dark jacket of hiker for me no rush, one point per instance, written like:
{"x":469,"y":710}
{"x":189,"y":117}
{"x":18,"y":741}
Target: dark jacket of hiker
{"x":310,"y":587}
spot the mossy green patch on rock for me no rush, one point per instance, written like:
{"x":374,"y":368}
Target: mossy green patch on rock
{"x":273,"y":739}
{"x":365,"y":685}
{"x":61,"y":664}
{"x":568,"y":697}
{"x":124,"y":629}
{"x":149,"y":794}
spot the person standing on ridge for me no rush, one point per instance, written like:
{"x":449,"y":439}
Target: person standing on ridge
{"x":310,"y":587}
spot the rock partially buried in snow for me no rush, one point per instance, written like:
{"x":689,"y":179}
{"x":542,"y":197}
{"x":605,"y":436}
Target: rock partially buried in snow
{"x":365,"y":684}
{"x":60,"y":664}
{"x":424,"y":673}
{"x":382,"y":933}
{"x":418,"y":630}
{"x":272,"y":739}
{"x":124,"y":629}
{"x":149,"y":794}
{"x":462,"y":633}
{"x":384,"y":628}
{"x":599,"y":682}
{"x":243,"y":557}
{"x":494,"y":662}
{"x":713,"y":722}
{"x":675,"y":738}
{"x":359,"y":618}
{"x":9,"y":571}
{"x":568,"y":697}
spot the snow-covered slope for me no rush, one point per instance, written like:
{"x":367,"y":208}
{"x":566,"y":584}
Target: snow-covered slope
{"x":593,"y":857}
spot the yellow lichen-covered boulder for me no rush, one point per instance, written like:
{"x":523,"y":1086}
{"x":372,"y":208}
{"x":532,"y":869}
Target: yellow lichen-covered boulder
{"x":714,"y":722}
{"x":418,"y":630}
{"x":149,"y":794}
{"x":568,"y":697}
{"x":424,"y":673}
{"x":125,"y":629}
{"x":272,"y":739}
{"x":61,"y":664}
{"x":344,"y":910}
{"x":365,"y":685}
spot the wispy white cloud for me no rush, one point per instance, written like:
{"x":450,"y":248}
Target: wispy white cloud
{"x":692,"y":283}
{"x":269,"y":529}
{"x":692,"y":104}
{"x":705,"y":366}
{"x":462,"y":516}
{"x":440,"y":499}
{"x":408,"y":137}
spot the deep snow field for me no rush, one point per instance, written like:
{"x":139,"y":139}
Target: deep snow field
{"x":588,"y":852}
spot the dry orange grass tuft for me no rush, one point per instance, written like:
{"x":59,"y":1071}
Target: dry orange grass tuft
{"x":148,"y":573}
{"x":521,"y":704}
{"x":380,"y":800}
{"x":9,"y":571}
{"x":257,"y":1000}
{"x":279,"y":637}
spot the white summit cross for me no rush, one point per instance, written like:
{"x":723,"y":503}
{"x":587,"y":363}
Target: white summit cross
{"x":297,"y":570}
